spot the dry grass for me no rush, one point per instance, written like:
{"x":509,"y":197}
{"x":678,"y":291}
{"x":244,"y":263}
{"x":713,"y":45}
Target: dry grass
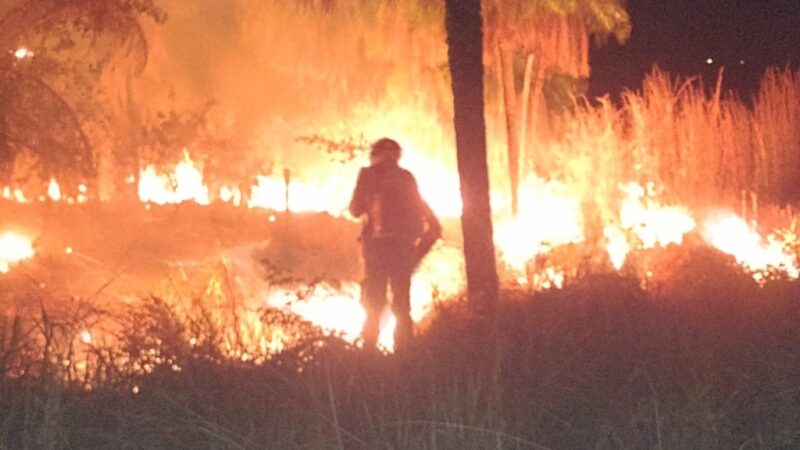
{"x":705,"y":147}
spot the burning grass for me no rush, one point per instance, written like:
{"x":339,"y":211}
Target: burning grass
{"x":706,"y":360}
{"x":218,"y":333}
{"x":198,"y":315}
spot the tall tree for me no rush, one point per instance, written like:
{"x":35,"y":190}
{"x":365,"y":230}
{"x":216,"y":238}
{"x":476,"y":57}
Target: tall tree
{"x":465,"y":55}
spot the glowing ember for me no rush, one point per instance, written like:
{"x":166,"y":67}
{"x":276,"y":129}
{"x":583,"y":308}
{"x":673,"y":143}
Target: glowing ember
{"x":22,"y":53}
{"x":13,"y":248}
{"x":85,"y":337}
{"x":731,"y":234}
{"x":230,"y":195}
{"x":15,"y":194}
{"x":53,"y":191}
{"x":185,"y":183}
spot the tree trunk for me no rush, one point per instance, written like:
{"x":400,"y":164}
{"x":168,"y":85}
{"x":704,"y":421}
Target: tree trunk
{"x":465,"y":52}
{"x":526,"y":95}
{"x":512,"y":121}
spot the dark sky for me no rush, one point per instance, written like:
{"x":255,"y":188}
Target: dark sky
{"x":680,"y":36}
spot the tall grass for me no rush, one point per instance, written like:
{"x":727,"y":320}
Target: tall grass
{"x":702,"y":146}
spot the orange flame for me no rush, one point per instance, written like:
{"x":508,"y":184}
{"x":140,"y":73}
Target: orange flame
{"x":731,"y":234}
{"x":54,"y":190}
{"x":653,"y":224}
{"x":13,"y":248}
{"x":548,"y":217}
{"x":185,"y":183}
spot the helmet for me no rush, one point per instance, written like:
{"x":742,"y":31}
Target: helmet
{"x":385,"y":148}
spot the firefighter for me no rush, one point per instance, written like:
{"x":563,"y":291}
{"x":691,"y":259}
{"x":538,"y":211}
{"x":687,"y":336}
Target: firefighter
{"x":399,"y":228}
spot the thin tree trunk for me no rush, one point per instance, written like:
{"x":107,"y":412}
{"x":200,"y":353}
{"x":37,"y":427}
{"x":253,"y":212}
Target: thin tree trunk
{"x":512,"y":121}
{"x":535,"y":104}
{"x":526,"y":96}
{"x":465,"y":52}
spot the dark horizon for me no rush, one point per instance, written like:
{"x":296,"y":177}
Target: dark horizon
{"x":680,"y":36}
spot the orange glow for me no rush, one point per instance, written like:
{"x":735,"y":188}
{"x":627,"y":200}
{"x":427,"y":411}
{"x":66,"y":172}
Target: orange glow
{"x":330,"y":195}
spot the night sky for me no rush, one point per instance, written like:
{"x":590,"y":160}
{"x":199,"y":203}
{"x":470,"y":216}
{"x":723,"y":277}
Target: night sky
{"x":745,"y":36}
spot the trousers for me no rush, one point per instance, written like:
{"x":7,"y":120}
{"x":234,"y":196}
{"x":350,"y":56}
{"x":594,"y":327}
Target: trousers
{"x":388,"y":263}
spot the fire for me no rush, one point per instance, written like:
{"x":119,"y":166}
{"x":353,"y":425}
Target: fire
{"x":15,"y":194}
{"x":329,"y":196}
{"x":548,"y":217}
{"x":328,"y":307}
{"x":653,"y":224}
{"x":85,"y":336}
{"x":731,"y":234}
{"x":617,"y":245}
{"x":13,"y":248}
{"x":551,"y":215}
{"x":339,"y":309}
{"x":184,"y":184}
{"x":54,"y":190}
{"x":22,"y":53}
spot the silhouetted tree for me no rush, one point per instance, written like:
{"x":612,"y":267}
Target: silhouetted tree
{"x":465,"y":55}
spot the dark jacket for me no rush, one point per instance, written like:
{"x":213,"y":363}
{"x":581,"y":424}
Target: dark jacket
{"x":388,"y":195}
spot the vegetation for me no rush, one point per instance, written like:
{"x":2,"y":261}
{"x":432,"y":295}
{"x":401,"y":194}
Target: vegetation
{"x":58,"y":58}
{"x":705,"y":148}
{"x":706,"y":360}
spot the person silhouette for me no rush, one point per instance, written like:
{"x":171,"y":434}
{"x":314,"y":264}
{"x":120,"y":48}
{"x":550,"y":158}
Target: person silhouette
{"x":399,"y":228}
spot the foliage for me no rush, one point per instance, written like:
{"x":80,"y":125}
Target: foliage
{"x":341,"y":151}
{"x":561,"y":92}
{"x":72,"y":45}
{"x":36,"y":120}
